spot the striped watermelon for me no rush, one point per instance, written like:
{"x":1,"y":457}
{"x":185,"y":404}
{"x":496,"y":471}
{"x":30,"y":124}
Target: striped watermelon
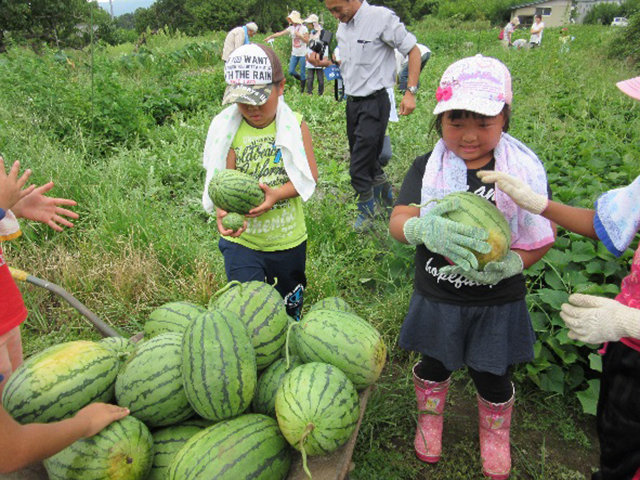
{"x":121,"y":347}
{"x":218,"y":365}
{"x":166,"y":443}
{"x":317,"y":408}
{"x":150,"y":383}
{"x":122,"y":451}
{"x":477,"y":211}
{"x":264,"y":401}
{"x":344,"y":340}
{"x":233,"y":221}
{"x":235,"y":191}
{"x":171,"y":317}
{"x":247,"y":447}
{"x":262,"y":310}
{"x":332,"y":303}
{"x":57,"y":382}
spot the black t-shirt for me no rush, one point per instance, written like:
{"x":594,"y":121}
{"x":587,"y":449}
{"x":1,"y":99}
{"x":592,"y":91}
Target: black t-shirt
{"x":455,"y":289}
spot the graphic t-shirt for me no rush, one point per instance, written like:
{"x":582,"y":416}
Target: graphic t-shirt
{"x":283,"y":227}
{"x":298,"y":47}
{"x":12,"y":309}
{"x":630,"y":294}
{"x":455,"y":289}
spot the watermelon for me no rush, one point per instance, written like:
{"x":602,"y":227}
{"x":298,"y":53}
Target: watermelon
{"x":317,"y":408}
{"x":218,"y":365}
{"x":332,"y":303}
{"x":57,"y":382}
{"x":233,"y":221}
{"x":235,"y":191}
{"x":477,"y":211}
{"x":122,"y":451}
{"x":264,"y":400}
{"x":171,"y":317}
{"x":150,"y":383}
{"x":262,"y":310}
{"x":247,"y":447}
{"x":344,"y":340}
{"x":166,"y":443}
{"x":121,"y":347}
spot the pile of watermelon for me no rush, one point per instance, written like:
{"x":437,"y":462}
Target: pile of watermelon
{"x":223,"y":392}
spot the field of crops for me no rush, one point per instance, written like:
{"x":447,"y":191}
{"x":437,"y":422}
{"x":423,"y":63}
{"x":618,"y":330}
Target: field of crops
{"x":122,"y":133}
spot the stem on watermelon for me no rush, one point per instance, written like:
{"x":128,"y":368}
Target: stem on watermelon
{"x":286,"y":344}
{"x":232,"y":283}
{"x":307,"y":432}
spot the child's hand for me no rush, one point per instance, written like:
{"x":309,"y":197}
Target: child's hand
{"x":446,"y":237}
{"x":11,"y":187}
{"x":97,"y":416}
{"x":493,"y":272}
{"x":270,"y":199}
{"x":520,"y":192}
{"x":40,"y":208}
{"x":220,"y":214}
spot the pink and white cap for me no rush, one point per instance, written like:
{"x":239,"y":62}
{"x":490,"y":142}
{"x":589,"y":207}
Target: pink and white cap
{"x":478,"y":84}
{"x":631,"y":87}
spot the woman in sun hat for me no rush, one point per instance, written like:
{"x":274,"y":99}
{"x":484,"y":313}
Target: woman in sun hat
{"x":299,"y":40}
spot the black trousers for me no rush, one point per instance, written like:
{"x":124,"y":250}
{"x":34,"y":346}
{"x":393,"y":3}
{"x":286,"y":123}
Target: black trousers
{"x":319,"y":72}
{"x":619,"y":413}
{"x":367,"y":121}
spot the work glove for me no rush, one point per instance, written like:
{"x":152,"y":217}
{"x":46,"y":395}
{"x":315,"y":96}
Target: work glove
{"x":446,"y":237}
{"x":519,"y":191}
{"x":493,"y":272}
{"x":596,"y":320}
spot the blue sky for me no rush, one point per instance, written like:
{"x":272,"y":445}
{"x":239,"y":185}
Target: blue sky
{"x":121,"y":7}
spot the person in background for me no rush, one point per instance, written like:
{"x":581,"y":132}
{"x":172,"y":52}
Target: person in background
{"x":315,"y":29}
{"x":402,"y":65}
{"x":237,"y":37}
{"x":536,"y":31}
{"x":299,"y":40}
{"x":507,"y":41}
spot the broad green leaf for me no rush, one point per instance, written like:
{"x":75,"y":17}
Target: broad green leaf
{"x":611,"y":267}
{"x":553,"y":280}
{"x":552,"y":380}
{"x":554,"y":298}
{"x":557,"y":258}
{"x":589,"y":397}
{"x":595,"y":362}
{"x":575,"y":278}
{"x":539,"y":321}
{"x":595,"y":266}
{"x":582,"y":252}
{"x":575,"y":376}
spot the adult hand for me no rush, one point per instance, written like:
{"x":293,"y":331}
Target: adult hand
{"x":446,"y":237}
{"x":408,"y":103}
{"x":220,"y":214}
{"x":11,"y":186}
{"x":596,"y":320}
{"x":518,"y":190}
{"x":97,"y":416}
{"x":493,"y":272}
{"x":48,"y":210}
{"x":314,"y":59}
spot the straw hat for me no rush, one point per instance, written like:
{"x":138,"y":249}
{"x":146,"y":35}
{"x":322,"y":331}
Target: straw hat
{"x":295,"y":17}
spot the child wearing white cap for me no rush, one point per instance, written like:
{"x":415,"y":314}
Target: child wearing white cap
{"x":459,"y":315}
{"x":615,"y":221}
{"x":261,"y":136}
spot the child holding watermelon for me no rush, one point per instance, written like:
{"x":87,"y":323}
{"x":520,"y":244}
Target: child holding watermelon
{"x":591,"y":319}
{"x":461,"y":314}
{"x":261,"y":136}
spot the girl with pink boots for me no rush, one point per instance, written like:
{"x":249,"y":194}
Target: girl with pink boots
{"x":460,"y":315}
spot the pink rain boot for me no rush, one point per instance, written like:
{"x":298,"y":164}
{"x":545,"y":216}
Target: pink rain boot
{"x":431,"y":399}
{"x":495,"y":423}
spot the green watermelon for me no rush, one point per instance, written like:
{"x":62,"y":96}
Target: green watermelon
{"x":121,"y":347}
{"x":171,"y":317}
{"x":247,"y":447}
{"x":166,"y":443}
{"x":218,"y":365}
{"x":235,"y":191}
{"x":122,"y":451}
{"x":262,"y":310}
{"x":317,"y":408}
{"x":332,"y":303}
{"x":233,"y":221}
{"x":264,"y":401}
{"x":57,"y":382}
{"x":477,"y":211}
{"x":344,"y":340}
{"x":150,"y":383}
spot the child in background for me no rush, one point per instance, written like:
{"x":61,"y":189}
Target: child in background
{"x":32,"y":204}
{"x":261,"y":136}
{"x":458,"y":315}
{"x":615,"y":222}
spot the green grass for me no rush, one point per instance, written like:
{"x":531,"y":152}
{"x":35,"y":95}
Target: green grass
{"x":144,"y":240}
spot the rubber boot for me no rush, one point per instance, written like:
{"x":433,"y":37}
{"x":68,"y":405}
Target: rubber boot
{"x":495,"y":423}
{"x":431,"y":398}
{"x":383,"y":195}
{"x":365,"y":214}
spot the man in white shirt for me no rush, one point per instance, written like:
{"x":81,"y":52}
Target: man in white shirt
{"x":367,"y":36}
{"x":237,"y":37}
{"x":299,"y":40}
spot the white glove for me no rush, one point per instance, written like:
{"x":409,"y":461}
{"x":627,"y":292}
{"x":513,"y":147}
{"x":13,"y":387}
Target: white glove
{"x":597,"y":319}
{"x":520,"y":192}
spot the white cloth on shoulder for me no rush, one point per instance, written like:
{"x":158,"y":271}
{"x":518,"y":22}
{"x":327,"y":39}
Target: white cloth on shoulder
{"x":617,"y":219}
{"x":9,"y":227}
{"x":447,"y":173}
{"x":222,"y":131}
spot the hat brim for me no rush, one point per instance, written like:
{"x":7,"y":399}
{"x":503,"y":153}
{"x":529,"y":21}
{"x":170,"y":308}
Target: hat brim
{"x":489,"y":108}
{"x":630,"y":87}
{"x":255,"y":95}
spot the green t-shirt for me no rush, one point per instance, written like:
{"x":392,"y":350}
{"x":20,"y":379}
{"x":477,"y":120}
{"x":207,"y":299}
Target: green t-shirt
{"x":283,"y":226}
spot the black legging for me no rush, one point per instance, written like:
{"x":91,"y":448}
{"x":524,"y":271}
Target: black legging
{"x":493,"y":388}
{"x":319,"y":72}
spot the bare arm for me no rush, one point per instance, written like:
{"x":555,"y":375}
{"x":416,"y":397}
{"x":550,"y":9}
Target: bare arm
{"x":576,"y":220}
{"x":408,"y":103}
{"x":276,"y":35}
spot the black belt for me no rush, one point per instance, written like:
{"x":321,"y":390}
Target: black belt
{"x":351,"y":98}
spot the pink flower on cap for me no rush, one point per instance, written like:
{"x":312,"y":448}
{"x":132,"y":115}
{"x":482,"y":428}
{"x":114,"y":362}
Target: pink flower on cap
{"x":444,"y":94}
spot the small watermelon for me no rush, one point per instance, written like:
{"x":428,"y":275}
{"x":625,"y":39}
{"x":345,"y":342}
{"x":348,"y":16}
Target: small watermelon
{"x":171,"y":317}
{"x":233,"y":221}
{"x":235,"y":191}
{"x":264,"y":400}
